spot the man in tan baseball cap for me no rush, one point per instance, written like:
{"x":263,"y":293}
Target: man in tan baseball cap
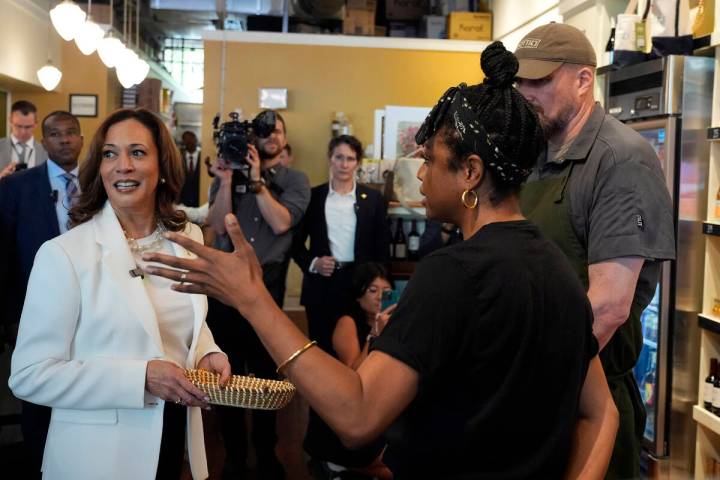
{"x":546,"y":48}
{"x":600,"y":195}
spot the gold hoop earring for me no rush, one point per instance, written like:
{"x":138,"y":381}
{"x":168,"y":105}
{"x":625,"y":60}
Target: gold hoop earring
{"x":464,"y":199}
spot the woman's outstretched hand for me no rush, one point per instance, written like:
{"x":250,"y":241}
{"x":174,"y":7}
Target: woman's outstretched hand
{"x":233,"y":278}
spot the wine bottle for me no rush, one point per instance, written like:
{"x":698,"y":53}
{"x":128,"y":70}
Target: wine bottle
{"x":413,"y":241}
{"x":400,"y":242}
{"x":709,"y":384}
{"x":392,"y":241}
{"x":716,"y":395}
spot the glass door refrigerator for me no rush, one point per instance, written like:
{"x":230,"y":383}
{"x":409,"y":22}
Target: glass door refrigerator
{"x":668,"y":101}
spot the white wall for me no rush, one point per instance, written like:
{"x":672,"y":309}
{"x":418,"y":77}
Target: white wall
{"x":26,"y":37}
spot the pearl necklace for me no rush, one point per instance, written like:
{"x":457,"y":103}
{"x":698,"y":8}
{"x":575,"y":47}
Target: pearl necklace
{"x":153,"y":246}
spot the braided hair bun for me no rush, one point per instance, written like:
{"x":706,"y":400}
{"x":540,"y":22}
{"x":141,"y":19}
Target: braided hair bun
{"x":499,"y":65}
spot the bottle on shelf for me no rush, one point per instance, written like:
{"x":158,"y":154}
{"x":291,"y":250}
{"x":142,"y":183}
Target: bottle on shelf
{"x":392,"y":240}
{"x":717,"y":205}
{"x":413,"y":242}
{"x":400,"y":242}
{"x":336,"y":126}
{"x":716,"y":306}
{"x":716,"y":395}
{"x":709,"y":384}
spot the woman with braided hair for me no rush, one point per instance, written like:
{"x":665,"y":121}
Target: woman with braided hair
{"x":488,"y":367}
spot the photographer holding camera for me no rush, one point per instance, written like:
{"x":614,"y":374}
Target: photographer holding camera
{"x":269,"y":200}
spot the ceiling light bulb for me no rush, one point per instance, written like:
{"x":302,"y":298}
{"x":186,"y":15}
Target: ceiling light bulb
{"x":109,"y":49}
{"x":88,"y":37}
{"x":67,"y":18}
{"x":49,"y":76}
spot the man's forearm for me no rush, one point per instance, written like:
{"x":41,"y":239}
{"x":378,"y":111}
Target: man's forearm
{"x":274,"y":212}
{"x":220,"y":207}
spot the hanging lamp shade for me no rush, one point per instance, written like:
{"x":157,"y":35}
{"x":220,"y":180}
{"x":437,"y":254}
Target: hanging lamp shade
{"x":126,"y":68}
{"x":142,"y":68}
{"x":88,"y":37}
{"x":109,"y":50}
{"x":67,"y":19}
{"x":49,"y":76}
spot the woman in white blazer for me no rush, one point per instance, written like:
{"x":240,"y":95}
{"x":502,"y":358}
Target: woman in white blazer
{"x":105,"y":345}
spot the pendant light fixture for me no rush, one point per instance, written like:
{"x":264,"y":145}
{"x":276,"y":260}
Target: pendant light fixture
{"x":67,"y":18}
{"x":142,"y":68}
{"x":49,"y":75}
{"x":89,"y":35}
{"x":110,"y":47}
{"x":126,"y":58}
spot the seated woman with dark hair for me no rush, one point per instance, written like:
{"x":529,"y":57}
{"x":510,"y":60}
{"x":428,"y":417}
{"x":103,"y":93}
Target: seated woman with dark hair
{"x":350,"y":341}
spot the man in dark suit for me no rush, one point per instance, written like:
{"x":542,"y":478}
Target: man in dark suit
{"x":347,"y":225}
{"x":190,"y":194}
{"x":34,"y":206}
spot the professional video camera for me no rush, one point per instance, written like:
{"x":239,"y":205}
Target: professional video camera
{"x":232,"y":139}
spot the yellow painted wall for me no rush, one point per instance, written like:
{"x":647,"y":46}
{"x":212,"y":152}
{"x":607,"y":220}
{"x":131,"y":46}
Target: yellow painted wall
{"x":81,"y":74}
{"x":321,"y":80}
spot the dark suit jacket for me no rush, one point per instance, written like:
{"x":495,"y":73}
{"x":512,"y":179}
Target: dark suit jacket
{"x":27,"y":220}
{"x":190,"y":193}
{"x":372,"y":237}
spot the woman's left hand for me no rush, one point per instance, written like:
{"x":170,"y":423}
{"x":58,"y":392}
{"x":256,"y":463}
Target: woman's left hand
{"x":216,"y":362}
{"x":382,"y":318}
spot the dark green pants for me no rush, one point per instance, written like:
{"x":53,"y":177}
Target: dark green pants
{"x":625,"y":460}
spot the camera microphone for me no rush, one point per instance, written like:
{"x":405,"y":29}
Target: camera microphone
{"x":54,"y":196}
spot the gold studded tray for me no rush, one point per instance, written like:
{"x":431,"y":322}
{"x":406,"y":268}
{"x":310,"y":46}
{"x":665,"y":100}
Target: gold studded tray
{"x":243,"y":392}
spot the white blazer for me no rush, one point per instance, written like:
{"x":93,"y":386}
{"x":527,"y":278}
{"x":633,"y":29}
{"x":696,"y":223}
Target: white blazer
{"x":86,"y":334}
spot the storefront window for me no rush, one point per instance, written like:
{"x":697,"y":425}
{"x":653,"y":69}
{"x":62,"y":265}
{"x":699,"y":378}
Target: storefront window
{"x":184,"y":58}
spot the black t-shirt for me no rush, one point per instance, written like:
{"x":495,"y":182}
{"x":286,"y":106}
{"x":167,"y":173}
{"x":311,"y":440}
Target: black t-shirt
{"x":500,"y":331}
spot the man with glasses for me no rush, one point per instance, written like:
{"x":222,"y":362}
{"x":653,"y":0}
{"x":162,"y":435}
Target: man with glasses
{"x":20,"y":150}
{"x":34,"y":206}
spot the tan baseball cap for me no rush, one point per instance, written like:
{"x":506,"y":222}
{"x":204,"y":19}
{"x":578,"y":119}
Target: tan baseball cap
{"x":546,"y":48}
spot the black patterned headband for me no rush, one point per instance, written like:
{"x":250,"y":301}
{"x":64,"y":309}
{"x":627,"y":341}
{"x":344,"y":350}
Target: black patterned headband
{"x":455,"y":105}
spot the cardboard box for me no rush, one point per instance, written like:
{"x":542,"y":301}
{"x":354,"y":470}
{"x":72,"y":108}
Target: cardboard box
{"x":405,"y":9}
{"x":369,"y":5}
{"x":359,"y":22}
{"x":401,"y":29}
{"x":434,"y":26}
{"x":470,"y":26}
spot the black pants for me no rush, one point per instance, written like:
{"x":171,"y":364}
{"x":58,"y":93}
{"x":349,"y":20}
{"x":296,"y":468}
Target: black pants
{"x":34,"y":424}
{"x":246,"y":354}
{"x":331,"y":298}
{"x":172,"y":445}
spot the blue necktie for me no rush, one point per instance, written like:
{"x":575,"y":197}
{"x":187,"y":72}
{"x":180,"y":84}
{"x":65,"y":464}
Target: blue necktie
{"x":71,"y":190}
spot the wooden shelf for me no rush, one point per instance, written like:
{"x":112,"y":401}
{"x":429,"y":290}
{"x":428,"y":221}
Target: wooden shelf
{"x":711,"y":228}
{"x":402,"y":268}
{"x":398,"y":211}
{"x":706,"y":419}
{"x":710,"y":322}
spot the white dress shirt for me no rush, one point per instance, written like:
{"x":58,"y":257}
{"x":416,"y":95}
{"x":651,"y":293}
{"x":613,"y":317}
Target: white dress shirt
{"x":341,"y":221}
{"x":57,"y":184}
{"x":29,"y":151}
{"x":192,"y":159}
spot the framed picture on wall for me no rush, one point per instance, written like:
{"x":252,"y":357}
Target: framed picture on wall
{"x":401,"y":124}
{"x":84,"y":104}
